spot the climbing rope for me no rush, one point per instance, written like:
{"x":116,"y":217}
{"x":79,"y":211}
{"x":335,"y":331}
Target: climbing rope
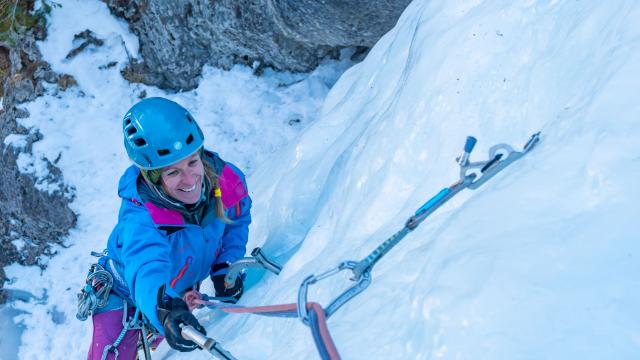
{"x":317,"y":321}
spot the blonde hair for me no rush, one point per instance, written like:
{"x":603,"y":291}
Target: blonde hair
{"x":213,"y":179}
{"x":154,"y":179}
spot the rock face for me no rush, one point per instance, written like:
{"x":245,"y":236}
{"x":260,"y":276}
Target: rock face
{"x":178,"y":37}
{"x":30,"y":220}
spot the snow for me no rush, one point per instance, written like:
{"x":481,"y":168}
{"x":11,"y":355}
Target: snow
{"x":538,"y":263}
{"x":19,"y":244}
{"x":15,"y":141}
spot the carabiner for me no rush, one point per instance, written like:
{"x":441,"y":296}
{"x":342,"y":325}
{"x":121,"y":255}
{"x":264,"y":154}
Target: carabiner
{"x":364,"y":281}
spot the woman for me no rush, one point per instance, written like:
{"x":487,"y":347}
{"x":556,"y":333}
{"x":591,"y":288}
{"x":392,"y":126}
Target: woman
{"x":184,"y":217}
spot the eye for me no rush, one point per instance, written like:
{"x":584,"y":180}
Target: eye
{"x":193,"y":162}
{"x":171,"y":173}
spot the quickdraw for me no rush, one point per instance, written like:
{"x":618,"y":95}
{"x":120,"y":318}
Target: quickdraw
{"x":95,"y":293}
{"x":472,"y":176}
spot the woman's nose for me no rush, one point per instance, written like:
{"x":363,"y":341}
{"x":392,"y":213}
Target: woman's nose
{"x":189,"y":177}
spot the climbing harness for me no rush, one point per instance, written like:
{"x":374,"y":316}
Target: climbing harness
{"x":472,"y":176}
{"x":136,"y":322}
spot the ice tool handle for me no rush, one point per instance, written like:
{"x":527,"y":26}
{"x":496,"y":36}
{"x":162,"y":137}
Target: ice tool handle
{"x":188,"y":332}
{"x":258,"y":259}
{"x":472,"y":175}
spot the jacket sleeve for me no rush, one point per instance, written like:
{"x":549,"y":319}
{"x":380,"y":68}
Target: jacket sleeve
{"x":145,"y":254}
{"x":235,"y":235}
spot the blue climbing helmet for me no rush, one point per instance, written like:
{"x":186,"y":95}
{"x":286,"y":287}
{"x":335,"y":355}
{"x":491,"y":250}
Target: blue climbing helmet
{"x":158,"y":132}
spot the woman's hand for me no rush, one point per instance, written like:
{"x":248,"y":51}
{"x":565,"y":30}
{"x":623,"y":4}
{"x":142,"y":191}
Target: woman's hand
{"x":223,"y":289}
{"x":172,"y":312}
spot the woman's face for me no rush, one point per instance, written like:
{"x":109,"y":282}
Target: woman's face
{"x":183,"y":180}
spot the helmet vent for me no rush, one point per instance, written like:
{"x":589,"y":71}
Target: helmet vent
{"x":189,"y":118}
{"x":140,"y":142}
{"x":163,"y":152}
{"x":189,"y":139}
{"x":132,"y":130}
{"x":127,"y":122}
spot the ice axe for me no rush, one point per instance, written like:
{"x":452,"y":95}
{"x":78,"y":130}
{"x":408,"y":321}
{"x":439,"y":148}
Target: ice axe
{"x":208,"y":344}
{"x":258,"y":259}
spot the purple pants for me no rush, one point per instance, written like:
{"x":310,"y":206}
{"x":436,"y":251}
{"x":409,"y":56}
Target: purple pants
{"x":106,"y":329}
{"x":107,"y":326}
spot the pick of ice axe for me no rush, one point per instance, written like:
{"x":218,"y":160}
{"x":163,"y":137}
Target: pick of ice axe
{"x":258,"y":259}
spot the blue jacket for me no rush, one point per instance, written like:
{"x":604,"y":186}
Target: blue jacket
{"x":154,"y":245}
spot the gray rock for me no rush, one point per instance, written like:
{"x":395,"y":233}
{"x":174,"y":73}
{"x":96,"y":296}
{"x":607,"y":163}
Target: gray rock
{"x":178,"y":37}
{"x":28,"y":217}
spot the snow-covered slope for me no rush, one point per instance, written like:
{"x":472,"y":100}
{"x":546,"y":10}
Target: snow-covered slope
{"x":537,"y":264}
{"x":540,"y":263}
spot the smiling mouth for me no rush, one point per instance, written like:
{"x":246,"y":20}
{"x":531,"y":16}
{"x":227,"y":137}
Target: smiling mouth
{"x":189,"y":190}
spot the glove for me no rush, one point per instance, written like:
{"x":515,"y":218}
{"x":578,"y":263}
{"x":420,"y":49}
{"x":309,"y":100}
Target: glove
{"x":172,"y":312}
{"x":234,"y":292}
